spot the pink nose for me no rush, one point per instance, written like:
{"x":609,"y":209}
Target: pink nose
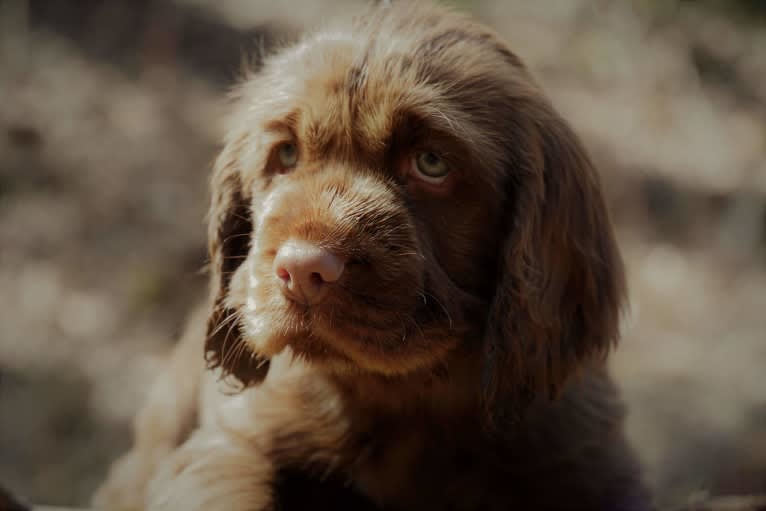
{"x":305,"y":270}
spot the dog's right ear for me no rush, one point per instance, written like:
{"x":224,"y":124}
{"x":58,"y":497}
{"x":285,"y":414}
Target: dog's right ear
{"x":230,"y":229}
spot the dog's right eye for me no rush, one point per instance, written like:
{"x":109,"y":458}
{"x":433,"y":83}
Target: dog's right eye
{"x":288,"y":155}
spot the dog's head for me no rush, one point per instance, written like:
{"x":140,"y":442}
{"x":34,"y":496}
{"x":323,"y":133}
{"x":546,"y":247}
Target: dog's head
{"x":396,"y":191}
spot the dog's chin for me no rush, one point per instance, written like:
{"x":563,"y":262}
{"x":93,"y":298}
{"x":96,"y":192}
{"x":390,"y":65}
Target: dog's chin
{"x":311,"y":336}
{"x":308,"y":348}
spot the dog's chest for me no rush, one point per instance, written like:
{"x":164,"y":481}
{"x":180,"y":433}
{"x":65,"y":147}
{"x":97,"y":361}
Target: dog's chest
{"x":410,"y":466}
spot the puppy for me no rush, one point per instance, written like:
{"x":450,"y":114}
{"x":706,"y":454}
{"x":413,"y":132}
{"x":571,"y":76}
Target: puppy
{"x":415,"y":283}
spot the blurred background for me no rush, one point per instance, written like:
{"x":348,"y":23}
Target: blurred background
{"x":110,"y":116}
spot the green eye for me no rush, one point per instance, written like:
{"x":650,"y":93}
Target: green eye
{"x":431,"y":166}
{"x":288,"y":155}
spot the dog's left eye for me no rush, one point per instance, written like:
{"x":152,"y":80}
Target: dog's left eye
{"x":430,"y":167}
{"x":288,"y":155}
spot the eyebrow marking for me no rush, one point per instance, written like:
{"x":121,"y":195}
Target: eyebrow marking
{"x":286,"y":124}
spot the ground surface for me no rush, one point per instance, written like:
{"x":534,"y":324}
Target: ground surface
{"x":110,"y":117}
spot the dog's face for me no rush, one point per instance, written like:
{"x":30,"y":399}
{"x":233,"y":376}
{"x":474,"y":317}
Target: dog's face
{"x":397,"y":189}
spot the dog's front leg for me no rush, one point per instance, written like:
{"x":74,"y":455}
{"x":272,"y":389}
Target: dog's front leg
{"x":293,"y":419}
{"x":212,"y":471}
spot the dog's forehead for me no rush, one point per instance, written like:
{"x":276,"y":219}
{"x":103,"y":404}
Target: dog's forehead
{"x":347,"y":89}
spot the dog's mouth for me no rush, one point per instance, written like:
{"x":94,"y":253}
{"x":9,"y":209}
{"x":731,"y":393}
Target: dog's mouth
{"x":353,"y":330}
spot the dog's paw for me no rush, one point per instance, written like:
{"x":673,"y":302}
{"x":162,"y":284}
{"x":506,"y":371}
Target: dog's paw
{"x":125,"y":488}
{"x":212,"y":472}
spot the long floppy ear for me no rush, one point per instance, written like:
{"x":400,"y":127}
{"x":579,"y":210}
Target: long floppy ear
{"x":229,"y":232}
{"x":561,"y":284}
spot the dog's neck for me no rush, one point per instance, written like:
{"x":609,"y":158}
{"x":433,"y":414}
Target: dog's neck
{"x":440,"y":393}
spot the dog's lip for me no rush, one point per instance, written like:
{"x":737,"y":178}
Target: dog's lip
{"x":313,"y":336}
{"x":309,"y":339}
{"x":305,"y":340}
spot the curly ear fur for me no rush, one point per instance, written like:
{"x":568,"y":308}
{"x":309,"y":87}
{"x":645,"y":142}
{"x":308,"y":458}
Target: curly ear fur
{"x":561,"y":285}
{"x":229,"y":231}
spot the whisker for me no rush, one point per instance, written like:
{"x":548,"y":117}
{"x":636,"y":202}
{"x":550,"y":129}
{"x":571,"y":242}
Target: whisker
{"x":411,"y":318}
{"x":231,"y":325}
{"x":440,"y":304}
{"x":224,"y":351}
{"x":417,"y":254}
{"x":229,"y":318}
{"x":234,"y":236}
{"x":239,"y":352}
{"x":240,"y":217}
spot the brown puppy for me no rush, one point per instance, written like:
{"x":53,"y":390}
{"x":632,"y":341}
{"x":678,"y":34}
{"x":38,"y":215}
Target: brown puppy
{"x":415,"y":278}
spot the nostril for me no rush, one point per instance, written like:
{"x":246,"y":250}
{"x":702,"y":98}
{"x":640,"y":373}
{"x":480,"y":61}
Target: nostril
{"x":316,"y":279}
{"x":327,"y":268}
{"x":283,"y":274}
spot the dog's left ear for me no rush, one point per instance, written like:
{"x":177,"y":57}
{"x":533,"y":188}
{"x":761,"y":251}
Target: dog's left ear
{"x":561,"y":284}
